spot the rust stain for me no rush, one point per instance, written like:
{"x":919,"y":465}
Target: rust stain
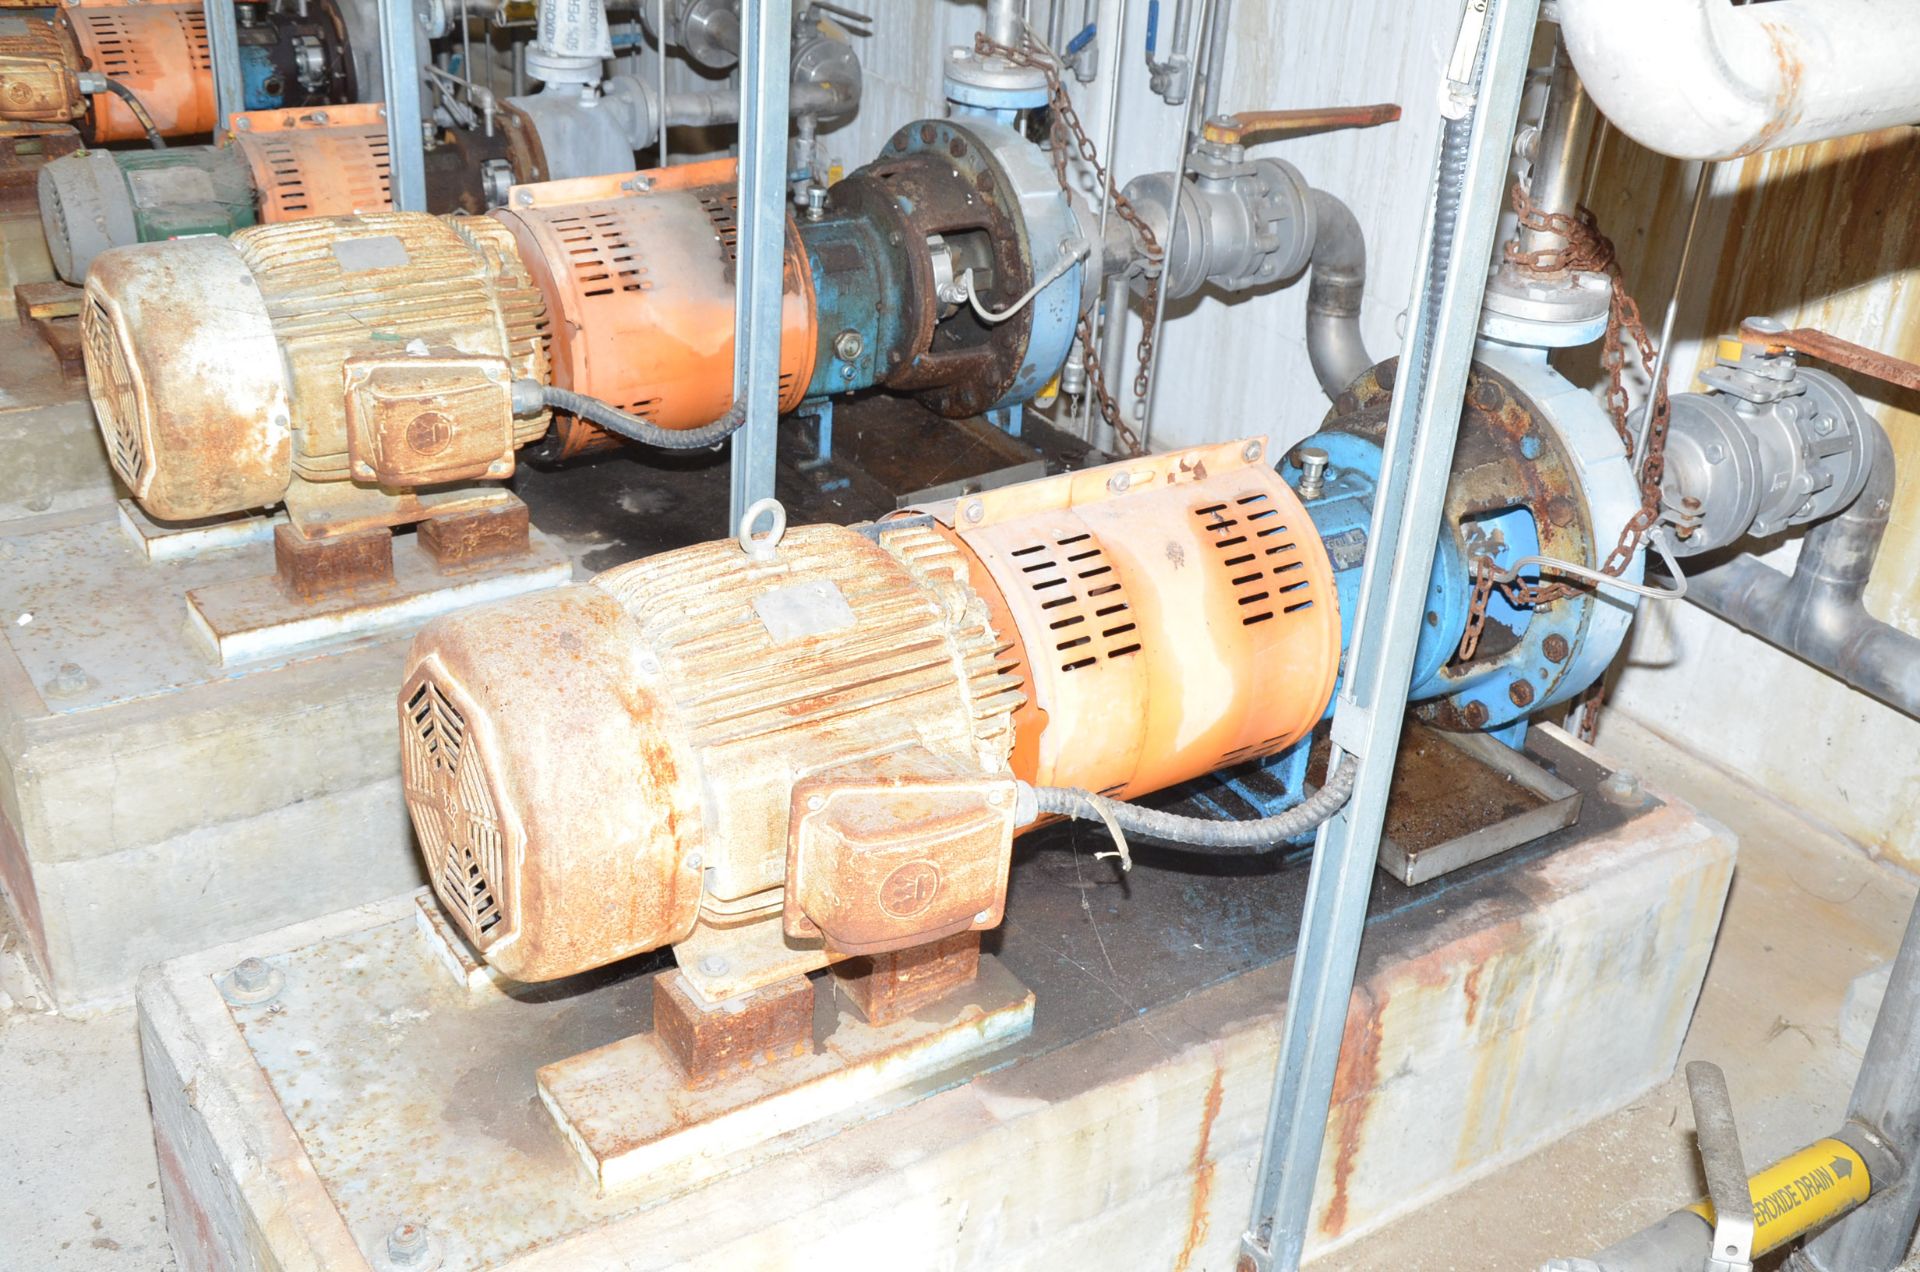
{"x":1472,"y":989}
{"x":1353,"y":1089}
{"x":1203,"y":1167}
{"x":1786,"y":100}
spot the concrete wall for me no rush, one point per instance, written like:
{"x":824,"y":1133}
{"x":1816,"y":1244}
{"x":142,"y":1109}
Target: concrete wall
{"x":1818,"y":235}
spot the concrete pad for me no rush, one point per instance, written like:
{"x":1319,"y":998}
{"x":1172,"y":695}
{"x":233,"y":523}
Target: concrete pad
{"x":1492,"y":1016}
{"x":55,"y":460}
{"x":153,"y":801}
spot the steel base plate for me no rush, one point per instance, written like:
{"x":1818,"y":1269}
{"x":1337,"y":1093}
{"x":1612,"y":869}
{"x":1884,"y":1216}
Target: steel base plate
{"x":639,"y":1129}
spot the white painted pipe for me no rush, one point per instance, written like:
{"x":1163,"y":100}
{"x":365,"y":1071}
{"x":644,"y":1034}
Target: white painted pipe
{"x":571,"y":42}
{"x":1705,"y":79}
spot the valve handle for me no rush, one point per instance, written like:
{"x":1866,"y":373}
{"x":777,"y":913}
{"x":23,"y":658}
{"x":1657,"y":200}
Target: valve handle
{"x":1815,"y":343}
{"x":1725,"y":1167}
{"x":1233,"y":130}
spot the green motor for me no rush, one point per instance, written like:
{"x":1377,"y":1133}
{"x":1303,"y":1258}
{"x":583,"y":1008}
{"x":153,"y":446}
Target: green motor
{"x":98,"y":199}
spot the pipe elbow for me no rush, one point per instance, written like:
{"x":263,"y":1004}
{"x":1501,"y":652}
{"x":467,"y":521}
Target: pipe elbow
{"x":1335,"y":347}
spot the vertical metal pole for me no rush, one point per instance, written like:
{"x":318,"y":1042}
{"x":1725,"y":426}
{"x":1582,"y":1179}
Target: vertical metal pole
{"x":1107,"y":319}
{"x":766,"y":34}
{"x":400,"y":72}
{"x":660,"y":26}
{"x":1415,"y":471}
{"x":223,"y":50}
{"x":1886,"y":1102}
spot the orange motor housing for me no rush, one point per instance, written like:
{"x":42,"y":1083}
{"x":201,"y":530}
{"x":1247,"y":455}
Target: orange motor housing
{"x":1174,"y":614}
{"x":159,"y":51}
{"x":325,"y":161}
{"x":638,"y":275}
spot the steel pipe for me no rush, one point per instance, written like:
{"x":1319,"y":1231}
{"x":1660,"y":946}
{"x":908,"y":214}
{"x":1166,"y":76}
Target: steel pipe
{"x":1559,"y":159}
{"x":1816,"y":613}
{"x":1704,"y":79}
{"x":1335,"y":346}
{"x":1885,"y":1105}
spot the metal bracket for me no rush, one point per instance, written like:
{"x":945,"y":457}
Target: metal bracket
{"x":1725,"y":1167}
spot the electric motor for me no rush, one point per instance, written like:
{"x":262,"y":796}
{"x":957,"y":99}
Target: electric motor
{"x":99,"y":199}
{"x":638,"y":277}
{"x":826,"y":730}
{"x":273,"y":165}
{"x":37,"y":62}
{"x":158,"y":53}
{"x":217,"y":366}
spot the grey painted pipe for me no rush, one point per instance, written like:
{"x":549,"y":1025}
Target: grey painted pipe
{"x":1885,"y":1101}
{"x":1816,"y":613}
{"x":1335,"y":346}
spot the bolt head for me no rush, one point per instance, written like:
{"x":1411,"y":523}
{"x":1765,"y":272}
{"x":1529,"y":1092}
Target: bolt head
{"x":1622,"y":787}
{"x":1118,"y":483}
{"x":252,"y":974}
{"x":975,"y":510}
{"x":694,"y":860}
{"x":816,"y":802}
{"x":1475,"y":714}
{"x":409,"y":1244}
{"x":714,"y":965}
{"x":1555,"y":648}
{"x":1251,"y":452}
{"x":1521,"y":692}
{"x":849,"y":345}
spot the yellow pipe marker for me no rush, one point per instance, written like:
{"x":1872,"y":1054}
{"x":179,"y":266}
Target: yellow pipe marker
{"x":1801,"y":1191}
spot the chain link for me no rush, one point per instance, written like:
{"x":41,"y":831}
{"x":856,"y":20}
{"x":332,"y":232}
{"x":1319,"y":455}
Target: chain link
{"x":1069,"y":138}
{"x":1587,"y":250}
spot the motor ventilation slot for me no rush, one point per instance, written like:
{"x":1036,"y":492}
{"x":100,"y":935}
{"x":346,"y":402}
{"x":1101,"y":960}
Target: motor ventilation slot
{"x":1086,"y":610}
{"x":1261,"y":556}
{"x":724,"y":211}
{"x":115,"y":397}
{"x":603,"y":259}
{"x":118,"y":51}
{"x":454,"y":812}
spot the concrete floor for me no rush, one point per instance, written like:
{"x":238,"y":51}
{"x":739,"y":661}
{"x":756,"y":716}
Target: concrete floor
{"x":1807,"y":914}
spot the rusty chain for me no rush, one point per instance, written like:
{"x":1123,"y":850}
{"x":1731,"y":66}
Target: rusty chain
{"x":1067,"y":136}
{"x":1587,"y":250}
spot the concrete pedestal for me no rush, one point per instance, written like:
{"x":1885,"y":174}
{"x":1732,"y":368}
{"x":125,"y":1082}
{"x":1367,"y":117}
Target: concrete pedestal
{"x":1495,"y":1011}
{"x":154,"y":801}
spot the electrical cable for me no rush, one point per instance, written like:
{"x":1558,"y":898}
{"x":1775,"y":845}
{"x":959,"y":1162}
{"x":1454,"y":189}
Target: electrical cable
{"x":1259,"y":834}
{"x":1072,"y":254}
{"x":632,"y":427}
{"x":139,"y":110}
{"x":1656,"y":539}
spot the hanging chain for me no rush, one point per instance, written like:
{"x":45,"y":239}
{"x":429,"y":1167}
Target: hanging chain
{"x":1068,"y":137}
{"x":1586,"y":250}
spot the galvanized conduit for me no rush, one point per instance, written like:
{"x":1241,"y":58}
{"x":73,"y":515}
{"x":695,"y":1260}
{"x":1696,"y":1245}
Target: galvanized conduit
{"x":1335,"y":346}
{"x":1816,"y":613}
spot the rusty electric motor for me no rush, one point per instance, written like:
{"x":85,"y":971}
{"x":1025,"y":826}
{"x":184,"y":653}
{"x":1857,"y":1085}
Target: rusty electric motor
{"x":216,"y":365}
{"x":827,"y":732}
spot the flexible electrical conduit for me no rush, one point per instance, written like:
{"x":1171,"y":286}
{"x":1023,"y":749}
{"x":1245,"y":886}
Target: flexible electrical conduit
{"x":632,"y":427}
{"x":1705,"y":79}
{"x":1257,"y":834}
{"x":139,"y":110}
